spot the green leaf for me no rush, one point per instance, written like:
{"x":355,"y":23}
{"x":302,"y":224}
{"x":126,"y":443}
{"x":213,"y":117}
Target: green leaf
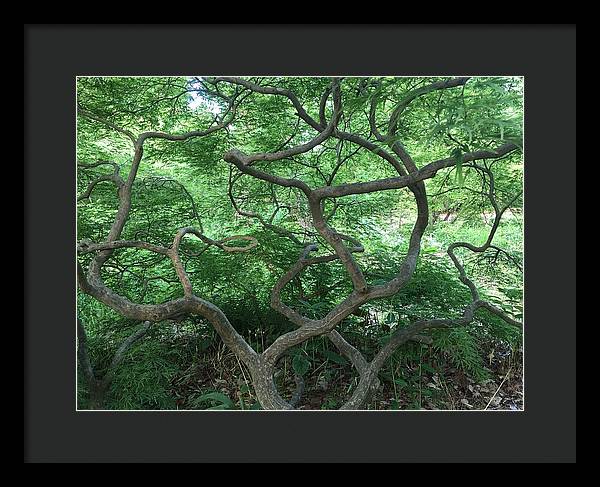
{"x":390,"y":318}
{"x":457,"y":154}
{"x":217,"y":407}
{"x":428,"y":368}
{"x":334,"y":357}
{"x":224,"y":401}
{"x":460,"y":178}
{"x":300,"y":364}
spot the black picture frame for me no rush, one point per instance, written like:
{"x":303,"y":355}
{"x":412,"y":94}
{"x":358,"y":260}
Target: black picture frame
{"x":544,"y":432}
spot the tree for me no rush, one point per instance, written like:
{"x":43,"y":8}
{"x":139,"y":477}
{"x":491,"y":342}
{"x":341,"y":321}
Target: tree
{"x":312,"y":144}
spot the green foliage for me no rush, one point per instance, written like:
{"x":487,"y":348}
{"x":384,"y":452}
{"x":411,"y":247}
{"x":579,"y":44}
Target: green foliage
{"x":334,"y":357}
{"x":216,"y":400}
{"x":300,"y":364}
{"x":143,"y":381}
{"x":461,"y":347}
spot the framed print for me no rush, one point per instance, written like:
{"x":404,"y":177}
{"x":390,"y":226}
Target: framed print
{"x":237,"y":235}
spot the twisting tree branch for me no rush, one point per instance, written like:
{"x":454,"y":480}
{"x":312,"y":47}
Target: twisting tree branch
{"x":267,"y":224}
{"x":114,"y":177}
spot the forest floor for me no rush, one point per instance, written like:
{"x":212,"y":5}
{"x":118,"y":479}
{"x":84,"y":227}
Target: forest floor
{"x":445,"y":388}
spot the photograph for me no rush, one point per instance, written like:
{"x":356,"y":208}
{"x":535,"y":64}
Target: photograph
{"x":247,"y":243}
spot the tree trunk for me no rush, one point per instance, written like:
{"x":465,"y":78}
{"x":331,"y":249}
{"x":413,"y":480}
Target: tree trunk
{"x":97,"y":395}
